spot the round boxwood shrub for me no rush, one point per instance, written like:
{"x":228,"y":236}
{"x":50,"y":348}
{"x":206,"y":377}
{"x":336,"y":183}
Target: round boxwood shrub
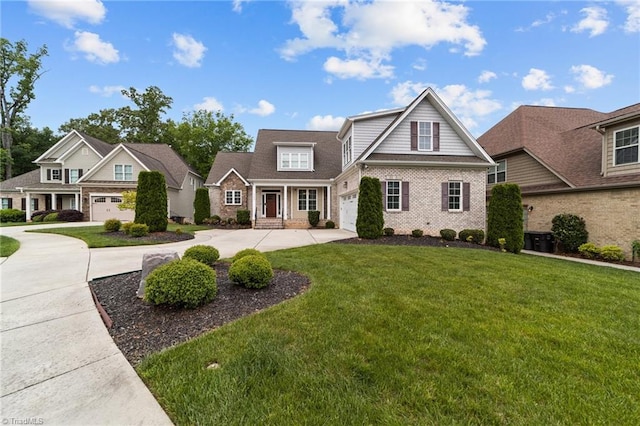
{"x":570,"y":230}
{"x":37,"y":218}
{"x":247,"y":252}
{"x":330,"y":224}
{"x":417,"y":233}
{"x":388,"y":231}
{"x":184,"y":282}
{"x":112,"y":225}
{"x":253,"y":271}
{"x":51,"y":217}
{"x":202,"y":253}
{"x":611,"y":252}
{"x":448,"y":234}
{"x":471,"y":235}
{"x":126,"y":227}
{"x":138,"y":230}
{"x":589,"y":250}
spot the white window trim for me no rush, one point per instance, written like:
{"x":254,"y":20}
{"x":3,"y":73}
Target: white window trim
{"x":460,"y":197}
{"x":124,"y":172}
{"x":54,"y":172}
{"x":233,"y":193}
{"x":347,"y":151}
{"x":430,"y":136}
{"x":306,"y":209}
{"x":71,"y":180}
{"x":5,"y":202}
{"x":289,"y":156}
{"x":615,"y":148}
{"x":494,"y":171}
{"x":386,"y":201}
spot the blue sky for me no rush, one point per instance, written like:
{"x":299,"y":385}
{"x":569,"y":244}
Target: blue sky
{"x":307,"y":65}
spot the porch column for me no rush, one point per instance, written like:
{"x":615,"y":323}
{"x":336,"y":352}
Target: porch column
{"x":28,"y":206}
{"x":253,"y":202}
{"x":284,"y":211}
{"x":54,"y":201}
{"x":328,"y":213}
{"x":77,"y":201}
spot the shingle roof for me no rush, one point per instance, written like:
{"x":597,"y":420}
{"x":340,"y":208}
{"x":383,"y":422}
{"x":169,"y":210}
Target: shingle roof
{"x":161,"y":157}
{"x":563,"y":139}
{"x":327,"y":160}
{"x":225,"y":161}
{"x":21,"y":181}
{"x":102,"y":147}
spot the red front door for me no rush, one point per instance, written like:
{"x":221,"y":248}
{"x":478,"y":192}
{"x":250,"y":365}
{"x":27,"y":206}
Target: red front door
{"x":272,"y":205}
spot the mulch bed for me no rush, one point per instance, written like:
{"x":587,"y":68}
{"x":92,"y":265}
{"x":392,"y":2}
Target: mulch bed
{"x":154,"y":237}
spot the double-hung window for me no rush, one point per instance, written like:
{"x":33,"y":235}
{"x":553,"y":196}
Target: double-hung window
{"x":626,"y":146}
{"x":498,"y":173}
{"x":393,"y":195}
{"x":233,"y":197}
{"x":123,"y":172}
{"x":307,"y":199}
{"x":455,"y":196}
{"x":56,"y":174}
{"x":346,"y":152}
{"x":294,"y":161}
{"x":74,"y":175}
{"x":6,"y":203}
{"x":425,"y":136}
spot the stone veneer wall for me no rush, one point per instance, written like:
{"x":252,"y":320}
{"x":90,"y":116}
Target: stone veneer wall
{"x":232,"y":182}
{"x":612,"y":216}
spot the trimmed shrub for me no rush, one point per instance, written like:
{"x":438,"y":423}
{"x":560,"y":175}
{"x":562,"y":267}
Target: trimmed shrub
{"x":505,"y":217}
{"x":370,"y":220}
{"x":184,"y":282}
{"x":448,"y":234}
{"x":126,"y":227}
{"x":70,"y":216}
{"x":243,"y":217}
{"x":201,"y":206}
{"x":471,"y":235}
{"x":205,"y":254}
{"x":138,"y":230}
{"x":611,"y":252}
{"x":314,"y":217}
{"x":247,"y":252}
{"x":330,"y":224}
{"x":38,"y":218}
{"x":253,"y":271}
{"x":635,"y":249}
{"x":12,"y":215}
{"x":589,"y":250}
{"x":112,"y":225}
{"x":51,"y":217}
{"x":417,"y":233}
{"x":151,"y":201}
{"x":215,"y":219}
{"x":42,"y":213}
{"x":229,"y":221}
{"x":388,"y":231}
{"x":570,"y":230}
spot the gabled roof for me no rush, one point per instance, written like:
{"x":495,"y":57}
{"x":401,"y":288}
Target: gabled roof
{"x":21,"y":181}
{"x":227,"y":162}
{"x":564,"y":140}
{"x":367,"y":116}
{"x":101,"y":148}
{"x":429,"y":95}
{"x":327,"y":161}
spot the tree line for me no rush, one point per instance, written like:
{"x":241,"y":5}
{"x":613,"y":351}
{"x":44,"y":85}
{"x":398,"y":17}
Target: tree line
{"x":198,"y":136}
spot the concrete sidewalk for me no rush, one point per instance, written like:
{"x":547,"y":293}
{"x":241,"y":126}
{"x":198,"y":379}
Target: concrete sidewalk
{"x":59,"y":365}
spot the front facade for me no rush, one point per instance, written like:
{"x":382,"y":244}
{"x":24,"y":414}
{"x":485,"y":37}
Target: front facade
{"x":86,"y":174}
{"x":572,"y":160}
{"x":431,"y":169}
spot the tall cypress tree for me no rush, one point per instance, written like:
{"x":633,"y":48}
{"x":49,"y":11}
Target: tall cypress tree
{"x":370,"y":220}
{"x":505,"y":217}
{"x":201,"y":205}
{"x":151,"y":201}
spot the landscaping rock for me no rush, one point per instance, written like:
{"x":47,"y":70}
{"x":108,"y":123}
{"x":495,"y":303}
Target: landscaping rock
{"x":151,"y":261}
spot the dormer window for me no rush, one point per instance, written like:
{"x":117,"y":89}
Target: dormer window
{"x":295,"y":157}
{"x":56,"y":174}
{"x":626,"y":148}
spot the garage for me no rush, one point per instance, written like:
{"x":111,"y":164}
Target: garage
{"x":105,"y":207}
{"x":348,"y":212}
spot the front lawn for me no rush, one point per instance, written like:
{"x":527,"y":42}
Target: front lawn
{"x":418,"y":335}
{"x":96,"y":237}
{"x":8,"y":246}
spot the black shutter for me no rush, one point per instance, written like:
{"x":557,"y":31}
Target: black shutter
{"x":79,"y":173}
{"x":23,"y":203}
{"x":405,"y":196}
{"x":383,"y":187}
{"x":445,"y":196}
{"x":35,"y":204}
{"x":10,"y":202}
{"x":436,"y":136}
{"x":466,"y":196}
{"x":66,"y":175}
{"x":48,"y":174}
{"x":414,"y":136}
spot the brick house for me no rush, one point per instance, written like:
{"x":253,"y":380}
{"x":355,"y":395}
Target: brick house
{"x":433,"y":172}
{"x":572,"y":160}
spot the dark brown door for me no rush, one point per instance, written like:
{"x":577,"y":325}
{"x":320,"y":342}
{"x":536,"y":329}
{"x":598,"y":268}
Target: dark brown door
{"x":271,"y":205}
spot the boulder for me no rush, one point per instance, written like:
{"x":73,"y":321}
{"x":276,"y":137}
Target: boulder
{"x":151,"y":261}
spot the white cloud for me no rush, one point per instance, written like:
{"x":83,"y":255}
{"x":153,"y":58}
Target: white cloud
{"x":549,"y":18}
{"x":420,"y":65}
{"x":545,"y":102}
{"x":537,"y":80}
{"x":264,"y":108}
{"x":368,"y":32}
{"x":632,"y":7}
{"x":107,"y":91}
{"x":209,"y":104}
{"x":569,"y":89}
{"x":486,"y":76}
{"x":591,"y":77}
{"x":325,"y":122}
{"x":595,"y":21}
{"x":66,"y":13}
{"x":468,"y":105}
{"x":237,"y":5}
{"x":357,"y":68}
{"x":188,"y":51}
{"x":94,"y":49}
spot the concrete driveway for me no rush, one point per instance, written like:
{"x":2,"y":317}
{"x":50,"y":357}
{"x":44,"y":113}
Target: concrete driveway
{"x":59,"y":365}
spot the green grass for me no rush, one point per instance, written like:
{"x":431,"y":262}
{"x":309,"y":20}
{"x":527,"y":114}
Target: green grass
{"x":10,"y":224}
{"x":95,"y":236}
{"x":416,"y":335}
{"x":8,"y":246}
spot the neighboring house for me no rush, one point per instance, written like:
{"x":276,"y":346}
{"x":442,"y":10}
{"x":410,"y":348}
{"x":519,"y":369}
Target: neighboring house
{"x":84,"y":173}
{"x":572,"y":160}
{"x":433,"y":172}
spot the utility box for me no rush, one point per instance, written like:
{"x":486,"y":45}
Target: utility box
{"x":539,"y":241}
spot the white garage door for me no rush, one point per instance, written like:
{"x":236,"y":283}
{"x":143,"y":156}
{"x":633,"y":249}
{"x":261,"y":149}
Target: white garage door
{"x":349,"y":212}
{"x":106,"y":207}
